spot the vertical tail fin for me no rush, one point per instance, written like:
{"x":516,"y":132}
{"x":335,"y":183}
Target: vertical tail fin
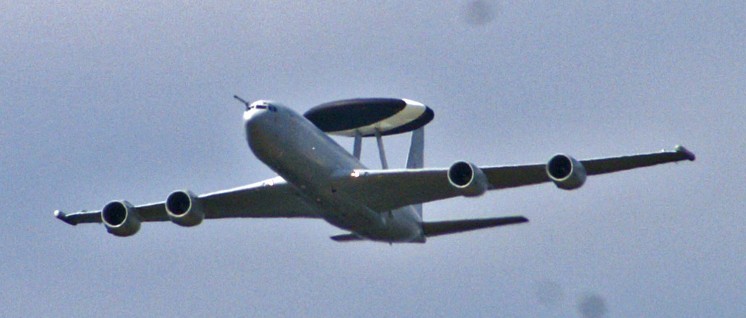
{"x":416,"y":158}
{"x":381,"y":151}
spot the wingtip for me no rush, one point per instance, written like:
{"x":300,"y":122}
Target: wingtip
{"x":62,"y":216}
{"x":687,"y":154}
{"x":518,"y":219}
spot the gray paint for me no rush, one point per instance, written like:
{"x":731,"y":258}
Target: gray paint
{"x":318,"y":178}
{"x":103,"y":102}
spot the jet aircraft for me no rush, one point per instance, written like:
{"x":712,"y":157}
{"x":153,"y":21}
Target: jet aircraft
{"x":319,"y":179}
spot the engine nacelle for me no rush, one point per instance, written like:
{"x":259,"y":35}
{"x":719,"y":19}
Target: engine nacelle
{"x":566,"y":172}
{"x":120,"y":218}
{"x":183,"y":208}
{"x":467,"y":178}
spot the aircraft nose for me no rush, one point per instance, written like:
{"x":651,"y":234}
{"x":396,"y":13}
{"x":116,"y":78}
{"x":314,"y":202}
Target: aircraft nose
{"x":256,"y":118}
{"x":254,"y":111}
{"x":248,"y":115}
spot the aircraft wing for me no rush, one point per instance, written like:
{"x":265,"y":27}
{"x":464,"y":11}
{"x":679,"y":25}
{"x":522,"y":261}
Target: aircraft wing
{"x":273,"y":198}
{"x":383,"y":190}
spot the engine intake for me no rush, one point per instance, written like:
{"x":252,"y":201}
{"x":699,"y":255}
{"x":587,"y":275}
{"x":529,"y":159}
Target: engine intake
{"x":183,"y":208}
{"x":120,"y":218}
{"x":467,"y":178}
{"x":566,"y":172}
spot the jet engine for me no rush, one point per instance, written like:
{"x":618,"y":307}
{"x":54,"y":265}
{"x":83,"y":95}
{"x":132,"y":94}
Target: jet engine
{"x":184,"y":208}
{"x":120,"y":218}
{"x":467,"y":178}
{"x":566,"y":172}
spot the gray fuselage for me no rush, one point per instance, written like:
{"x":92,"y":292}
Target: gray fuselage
{"x":306,"y":157}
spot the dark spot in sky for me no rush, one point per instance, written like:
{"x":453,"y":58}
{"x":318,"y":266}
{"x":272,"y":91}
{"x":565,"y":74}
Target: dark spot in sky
{"x":480,"y":12}
{"x":592,"y":306}
{"x":549,"y":293}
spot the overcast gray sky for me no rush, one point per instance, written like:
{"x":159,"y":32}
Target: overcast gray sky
{"x":104,"y":101}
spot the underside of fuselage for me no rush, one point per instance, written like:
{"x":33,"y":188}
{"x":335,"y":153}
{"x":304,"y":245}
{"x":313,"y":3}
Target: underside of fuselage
{"x":310,"y":160}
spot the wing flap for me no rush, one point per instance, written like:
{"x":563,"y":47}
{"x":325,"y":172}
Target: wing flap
{"x":384,"y":190}
{"x":152,"y":212}
{"x":515,"y":176}
{"x":273,"y":198}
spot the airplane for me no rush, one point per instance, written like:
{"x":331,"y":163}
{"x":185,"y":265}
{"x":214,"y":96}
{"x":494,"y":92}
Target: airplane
{"x":319,"y":179}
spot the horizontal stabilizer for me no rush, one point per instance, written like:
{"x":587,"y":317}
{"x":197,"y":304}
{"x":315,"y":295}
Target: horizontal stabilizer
{"x":431,"y":229}
{"x":347,"y":238}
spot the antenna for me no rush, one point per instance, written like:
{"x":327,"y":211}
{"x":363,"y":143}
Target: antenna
{"x":242,"y":101}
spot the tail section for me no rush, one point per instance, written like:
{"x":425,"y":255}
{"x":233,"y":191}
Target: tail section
{"x":416,"y":158}
{"x":431,"y":229}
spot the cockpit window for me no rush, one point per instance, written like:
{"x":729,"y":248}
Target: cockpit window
{"x":263,"y":106}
